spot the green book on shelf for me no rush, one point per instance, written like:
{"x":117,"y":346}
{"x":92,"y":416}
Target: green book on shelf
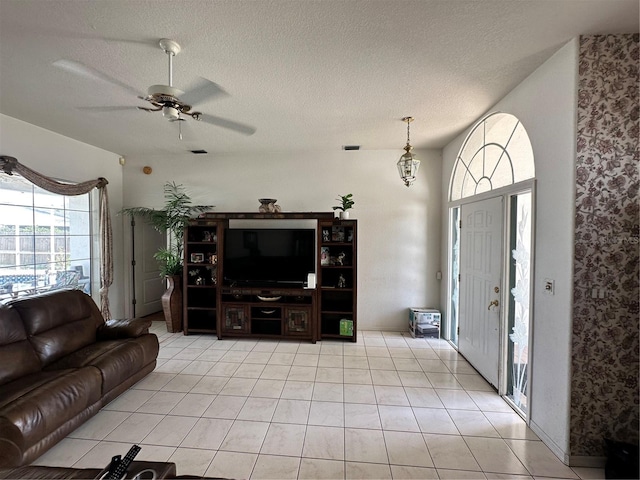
{"x":346,"y":327}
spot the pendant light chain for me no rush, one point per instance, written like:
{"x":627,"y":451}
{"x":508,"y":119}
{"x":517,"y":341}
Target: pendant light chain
{"x":408,"y":120}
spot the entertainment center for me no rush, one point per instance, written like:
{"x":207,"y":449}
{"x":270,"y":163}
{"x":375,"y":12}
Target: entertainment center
{"x":272,"y":275}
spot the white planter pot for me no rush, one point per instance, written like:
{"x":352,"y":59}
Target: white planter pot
{"x":344,"y":215}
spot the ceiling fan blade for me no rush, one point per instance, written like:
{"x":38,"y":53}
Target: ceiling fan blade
{"x":202,"y":90}
{"x":224,"y":123}
{"x":83,"y":70}
{"x":53,"y":31}
{"x":107,"y":109}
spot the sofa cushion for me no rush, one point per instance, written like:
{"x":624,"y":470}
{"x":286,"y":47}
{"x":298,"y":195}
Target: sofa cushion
{"x":40,"y":403}
{"x":116,"y":359}
{"x":59,"y":323}
{"x":17,"y":357}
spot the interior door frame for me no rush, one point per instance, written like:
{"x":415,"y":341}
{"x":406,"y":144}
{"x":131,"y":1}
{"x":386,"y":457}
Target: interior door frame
{"x":506,"y":193}
{"x":129,"y":287}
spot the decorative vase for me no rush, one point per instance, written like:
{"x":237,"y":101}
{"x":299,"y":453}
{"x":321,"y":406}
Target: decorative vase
{"x":268,"y":205}
{"x":344,"y":215}
{"x":172,"y":304}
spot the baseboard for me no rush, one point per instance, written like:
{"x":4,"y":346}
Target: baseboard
{"x":557,"y":450}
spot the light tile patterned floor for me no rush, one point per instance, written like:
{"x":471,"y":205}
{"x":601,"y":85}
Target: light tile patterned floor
{"x":389,"y":406}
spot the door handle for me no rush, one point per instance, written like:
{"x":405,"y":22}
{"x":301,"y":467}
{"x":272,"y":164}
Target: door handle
{"x":494,"y":303}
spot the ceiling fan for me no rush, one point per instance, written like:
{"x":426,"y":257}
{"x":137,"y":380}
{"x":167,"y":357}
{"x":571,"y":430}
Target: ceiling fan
{"x":174,"y":104}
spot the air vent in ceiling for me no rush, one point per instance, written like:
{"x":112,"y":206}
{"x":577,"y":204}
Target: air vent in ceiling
{"x":199,"y":152}
{"x":351,"y":147}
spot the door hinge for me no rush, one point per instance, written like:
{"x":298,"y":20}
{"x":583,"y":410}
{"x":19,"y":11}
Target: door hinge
{"x":458,"y":331}
{"x":133,"y":263}
{"x":134,"y":301}
{"x":459,"y":278}
{"x":133,"y":222}
{"x":460,"y":223}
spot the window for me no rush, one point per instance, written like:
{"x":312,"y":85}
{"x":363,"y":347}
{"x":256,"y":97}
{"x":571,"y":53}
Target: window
{"x":519,"y":299}
{"x":45,"y":239}
{"x":496,"y":153}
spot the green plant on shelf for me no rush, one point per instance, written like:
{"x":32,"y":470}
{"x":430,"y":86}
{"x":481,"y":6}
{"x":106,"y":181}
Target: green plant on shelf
{"x":346,"y":202}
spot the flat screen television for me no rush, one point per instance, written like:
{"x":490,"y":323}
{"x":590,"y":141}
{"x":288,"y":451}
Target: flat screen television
{"x":268,"y":257}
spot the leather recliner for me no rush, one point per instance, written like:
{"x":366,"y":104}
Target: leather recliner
{"x":60,"y":362}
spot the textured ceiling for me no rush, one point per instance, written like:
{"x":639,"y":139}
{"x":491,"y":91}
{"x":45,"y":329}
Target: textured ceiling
{"x":307,"y":74}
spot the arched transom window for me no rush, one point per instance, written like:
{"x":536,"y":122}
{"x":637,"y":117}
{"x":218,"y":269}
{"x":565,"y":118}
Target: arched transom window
{"x":496,"y":153}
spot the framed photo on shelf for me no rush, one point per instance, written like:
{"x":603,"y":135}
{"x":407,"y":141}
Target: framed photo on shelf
{"x":337,"y":234}
{"x":325,"y":256}
{"x":197,"y":257}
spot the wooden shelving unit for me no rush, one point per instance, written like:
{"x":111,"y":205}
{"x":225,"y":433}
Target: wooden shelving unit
{"x":201,"y":276}
{"x":320,"y":313}
{"x":337,"y":279}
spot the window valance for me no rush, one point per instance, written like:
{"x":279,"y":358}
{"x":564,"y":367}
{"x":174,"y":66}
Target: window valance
{"x":10,"y":165}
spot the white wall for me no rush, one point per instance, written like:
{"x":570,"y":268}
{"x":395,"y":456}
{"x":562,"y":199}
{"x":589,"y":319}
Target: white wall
{"x":398,"y":227}
{"x":545,"y":103}
{"x":68,"y":159}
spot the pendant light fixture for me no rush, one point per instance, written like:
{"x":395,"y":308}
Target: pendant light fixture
{"x":408,"y":164}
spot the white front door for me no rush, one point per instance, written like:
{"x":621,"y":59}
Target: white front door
{"x":148,"y":286}
{"x":481,"y":236}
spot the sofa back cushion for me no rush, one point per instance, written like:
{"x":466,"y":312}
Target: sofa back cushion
{"x":17,"y":357}
{"x":58,"y":323}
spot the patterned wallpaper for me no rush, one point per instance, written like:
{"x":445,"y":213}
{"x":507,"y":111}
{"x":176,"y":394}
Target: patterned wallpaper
{"x":604,"y":391}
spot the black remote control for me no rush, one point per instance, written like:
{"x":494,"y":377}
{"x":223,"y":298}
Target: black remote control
{"x":118,"y":468}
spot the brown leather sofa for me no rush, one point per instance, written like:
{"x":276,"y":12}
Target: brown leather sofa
{"x":60,"y":362}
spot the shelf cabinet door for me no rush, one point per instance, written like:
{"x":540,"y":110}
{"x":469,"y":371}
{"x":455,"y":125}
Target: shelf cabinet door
{"x":235,"y":319}
{"x":297,"y":321}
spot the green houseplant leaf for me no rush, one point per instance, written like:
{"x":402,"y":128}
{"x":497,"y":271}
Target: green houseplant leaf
{"x":170,"y":263}
{"x":346,"y":202}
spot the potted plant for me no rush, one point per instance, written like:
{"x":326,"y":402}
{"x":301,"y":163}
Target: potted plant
{"x":346,"y":202}
{"x":172,"y":220}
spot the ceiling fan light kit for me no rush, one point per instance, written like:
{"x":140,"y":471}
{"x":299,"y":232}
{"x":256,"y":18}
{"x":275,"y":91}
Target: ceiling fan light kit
{"x":171,"y":113}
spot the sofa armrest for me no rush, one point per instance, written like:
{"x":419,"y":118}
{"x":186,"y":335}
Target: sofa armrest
{"x":123,"y":328}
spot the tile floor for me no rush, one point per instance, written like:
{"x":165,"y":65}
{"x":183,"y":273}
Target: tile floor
{"x":389,"y":406}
